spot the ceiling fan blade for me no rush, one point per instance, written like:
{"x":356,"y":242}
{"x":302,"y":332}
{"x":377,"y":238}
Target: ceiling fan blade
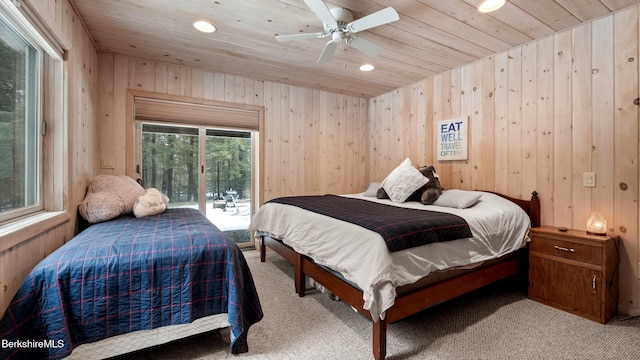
{"x":322,"y":11}
{"x":327,"y":52}
{"x":365,"y":46}
{"x":378,"y":18}
{"x":300,"y":36}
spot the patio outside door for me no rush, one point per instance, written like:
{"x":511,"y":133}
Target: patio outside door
{"x":204,"y":168}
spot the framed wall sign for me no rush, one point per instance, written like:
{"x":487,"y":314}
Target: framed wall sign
{"x":452,"y":139}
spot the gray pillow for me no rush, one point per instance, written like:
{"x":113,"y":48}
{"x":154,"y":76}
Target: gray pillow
{"x":372,"y":190}
{"x":460,"y":199}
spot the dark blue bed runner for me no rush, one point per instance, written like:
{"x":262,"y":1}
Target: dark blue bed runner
{"x":401,"y":228}
{"x":130,"y":274}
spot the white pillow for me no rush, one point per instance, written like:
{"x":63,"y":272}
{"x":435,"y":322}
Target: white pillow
{"x":403,"y":181}
{"x":372,"y":191}
{"x":460,"y":199}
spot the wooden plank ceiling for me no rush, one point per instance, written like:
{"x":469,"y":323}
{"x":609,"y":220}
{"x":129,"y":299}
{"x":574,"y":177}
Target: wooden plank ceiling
{"x":431,"y":36}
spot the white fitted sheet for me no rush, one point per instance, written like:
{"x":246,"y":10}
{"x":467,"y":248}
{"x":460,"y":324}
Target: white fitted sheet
{"x":361,"y":256}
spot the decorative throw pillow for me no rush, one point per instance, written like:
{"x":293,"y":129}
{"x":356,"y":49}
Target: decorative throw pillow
{"x":403,"y":181}
{"x":152,"y":203}
{"x":373,"y":189}
{"x":460,"y":199}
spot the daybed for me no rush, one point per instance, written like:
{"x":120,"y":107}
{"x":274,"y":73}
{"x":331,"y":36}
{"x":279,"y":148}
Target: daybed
{"x":129,"y":274}
{"x":352,"y":261}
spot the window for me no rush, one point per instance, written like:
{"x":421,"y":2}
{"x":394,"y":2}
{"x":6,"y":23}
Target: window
{"x":19,"y":122}
{"x":26,"y":61}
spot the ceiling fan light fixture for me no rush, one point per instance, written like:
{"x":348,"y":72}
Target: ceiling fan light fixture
{"x":340,"y":26}
{"x":204,"y":26}
{"x":366,"y":67}
{"x":490,"y":5}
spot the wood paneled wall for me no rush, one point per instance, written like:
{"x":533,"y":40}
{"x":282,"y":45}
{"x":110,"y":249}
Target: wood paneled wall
{"x":313,"y":141}
{"x":540,"y":115}
{"x":60,"y":19}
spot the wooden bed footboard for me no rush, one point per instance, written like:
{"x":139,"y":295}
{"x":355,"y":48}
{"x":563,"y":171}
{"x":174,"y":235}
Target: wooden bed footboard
{"x":414,"y":301}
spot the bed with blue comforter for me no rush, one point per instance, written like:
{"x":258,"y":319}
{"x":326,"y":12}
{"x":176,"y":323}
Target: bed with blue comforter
{"x":130,"y":274}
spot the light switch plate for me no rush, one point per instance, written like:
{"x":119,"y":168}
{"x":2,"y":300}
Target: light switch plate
{"x":589,"y":179}
{"x":108,"y":163}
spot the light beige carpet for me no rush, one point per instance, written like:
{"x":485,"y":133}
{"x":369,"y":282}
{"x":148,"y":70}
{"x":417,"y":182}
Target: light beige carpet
{"x":497,"y":322}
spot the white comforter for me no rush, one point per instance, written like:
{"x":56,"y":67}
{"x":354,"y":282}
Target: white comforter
{"x":361,"y":256}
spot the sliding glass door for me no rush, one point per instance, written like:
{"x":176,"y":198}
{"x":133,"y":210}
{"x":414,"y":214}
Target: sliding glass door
{"x":170,"y":162}
{"x":204,"y":168}
{"x":228,"y":181}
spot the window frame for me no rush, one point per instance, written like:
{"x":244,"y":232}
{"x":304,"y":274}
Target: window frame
{"x":32,"y":147}
{"x":50,"y":126}
{"x":256,"y":128}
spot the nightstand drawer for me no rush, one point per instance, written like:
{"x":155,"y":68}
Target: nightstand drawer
{"x":567,"y":249}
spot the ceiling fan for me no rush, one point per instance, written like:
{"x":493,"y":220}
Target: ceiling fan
{"x":340,"y":26}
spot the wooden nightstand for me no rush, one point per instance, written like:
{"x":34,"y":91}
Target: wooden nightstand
{"x":574,"y":271}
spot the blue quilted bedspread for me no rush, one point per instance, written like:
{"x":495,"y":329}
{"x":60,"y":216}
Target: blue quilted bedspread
{"x":130,"y":274}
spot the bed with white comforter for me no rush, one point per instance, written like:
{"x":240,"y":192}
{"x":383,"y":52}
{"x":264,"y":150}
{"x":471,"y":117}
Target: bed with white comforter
{"x":499,"y":227}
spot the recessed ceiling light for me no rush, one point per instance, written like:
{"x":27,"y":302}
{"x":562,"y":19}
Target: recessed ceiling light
{"x":204,"y":26}
{"x":490,"y":5}
{"x":366,"y":67}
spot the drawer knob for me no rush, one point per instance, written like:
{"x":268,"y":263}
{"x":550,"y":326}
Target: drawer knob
{"x":563,"y":248}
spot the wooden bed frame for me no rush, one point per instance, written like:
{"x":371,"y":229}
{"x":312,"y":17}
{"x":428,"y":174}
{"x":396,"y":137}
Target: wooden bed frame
{"x":413,"y":301}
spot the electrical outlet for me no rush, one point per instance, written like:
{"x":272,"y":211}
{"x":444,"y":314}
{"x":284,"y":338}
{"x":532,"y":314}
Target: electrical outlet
{"x":589,"y":179}
{"x":108,"y":163}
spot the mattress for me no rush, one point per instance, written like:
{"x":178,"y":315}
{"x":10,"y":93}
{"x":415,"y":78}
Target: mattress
{"x":499,"y":227}
{"x":130,"y":274}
